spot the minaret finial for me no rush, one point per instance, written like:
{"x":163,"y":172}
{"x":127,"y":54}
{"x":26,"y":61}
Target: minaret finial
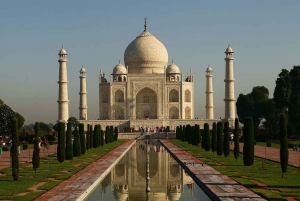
{"x":119,"y":61}
{"x":145,"y":24}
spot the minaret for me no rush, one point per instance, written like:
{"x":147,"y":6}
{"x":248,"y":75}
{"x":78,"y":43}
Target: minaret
{"x":229,"y":85}
{"x":63,"y":102}
{"x":209,"y":94}
{"x":82,"y":95}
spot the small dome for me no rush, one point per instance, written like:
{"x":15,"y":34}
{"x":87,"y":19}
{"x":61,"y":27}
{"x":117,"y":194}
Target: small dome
{"x":82,"y":70}
{"x":172,"y":68}
{"x":62,"y":51}
{"x":119,"y":69}
{"x":209,"y":69}
{"x":229,"y":49}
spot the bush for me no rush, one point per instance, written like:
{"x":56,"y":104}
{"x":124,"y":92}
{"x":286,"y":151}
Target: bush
{"x":25,"y":146}
{"x":291,"y":145}
{"x":269,"y":144}
{"x":50,"y":137}
{"x":5,"y":148}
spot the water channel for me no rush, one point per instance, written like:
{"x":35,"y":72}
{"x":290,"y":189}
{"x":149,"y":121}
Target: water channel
{"x":165,"y":179}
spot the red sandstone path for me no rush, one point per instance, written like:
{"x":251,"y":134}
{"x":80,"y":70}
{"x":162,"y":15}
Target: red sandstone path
{"x":260,"y":151}
{"x":273,"y":154}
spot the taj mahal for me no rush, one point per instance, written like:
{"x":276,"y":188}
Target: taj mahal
{"x":147,"y":91}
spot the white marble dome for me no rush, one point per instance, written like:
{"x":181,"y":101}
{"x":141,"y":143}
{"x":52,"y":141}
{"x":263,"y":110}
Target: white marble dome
{"x":119,"y":69}
{"x":229,"y":49}
{"x":146,"y":55}
{"x":62,"y":51}
{"x":172,"y":68}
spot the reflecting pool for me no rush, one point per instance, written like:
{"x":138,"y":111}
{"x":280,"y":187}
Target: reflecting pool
{"x":128,"y":181}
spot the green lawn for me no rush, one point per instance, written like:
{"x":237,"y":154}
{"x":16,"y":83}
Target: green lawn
{"x":263,"y":171}
{"x":51,"y":172}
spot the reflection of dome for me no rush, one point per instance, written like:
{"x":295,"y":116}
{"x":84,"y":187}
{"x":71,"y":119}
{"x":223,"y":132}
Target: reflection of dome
{"x":229,"y":49}
{"x":146,"y":54}
{"x":174,"y":196}
{"x":121,"y":192}
{"x":119,"y":69}
{"x":172,"y":68}
{"x":62,"y":51}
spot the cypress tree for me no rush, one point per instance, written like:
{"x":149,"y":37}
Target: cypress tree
{"x":198,"y":135}
{"x":203,"y":138}
{"x":61,"y":142}
{"x":219,"y":138}
{"x":116,"y":134}
{"x":111,"y":134}
{"x":36,"y":149}
{"x":184,"y":133}
{"x":214,"y":138}
{"x":236,"y":150}
{"x":76,"y":144}
{"x":102,"y":137}
{"x":106,"y":134}
{"x":207,"y":137}
{"x":91,"y":136}
{"x":188,"y":133}
{"x":226,"y":140}
{"x":180,"y":133}
{"x":95,"y":137}
{"x":82,"y":138}
{"x":248,"y":149}
{"x":14,"y":149}
{"x":69,"y":146}
{"x":284,"y":152}
{"x":87,"y":146}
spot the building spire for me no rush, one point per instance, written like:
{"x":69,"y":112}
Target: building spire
{"x":145,"y":24}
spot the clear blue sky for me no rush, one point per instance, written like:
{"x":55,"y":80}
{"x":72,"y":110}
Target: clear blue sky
{"x":263,"y":34}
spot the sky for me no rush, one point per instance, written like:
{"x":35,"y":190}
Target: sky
{"x":263,"y":34}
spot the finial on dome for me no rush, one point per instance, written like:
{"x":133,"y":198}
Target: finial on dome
{"x":228,"y":45}
{"x":145,"y":24}
{"x":172,"y":61}
{"x":62,"y":47}
{"x":119,"y":61}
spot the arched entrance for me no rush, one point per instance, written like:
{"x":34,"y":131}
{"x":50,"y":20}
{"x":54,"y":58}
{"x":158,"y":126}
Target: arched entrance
{"x":146,"y":104}
{"x":173,"y":113}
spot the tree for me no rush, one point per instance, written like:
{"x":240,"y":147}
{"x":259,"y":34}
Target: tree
{"x":282,"y":91}
{"x":206,"y":137}
{"x":6,"y":114}
{"x":198,"y":134}
{"x":116,"y":134}
{"x":248,"y":149}
{"x":82,"y":138}
{"x":20,"y":120}
{"x":61,"y":144}
{"x":294,"y":105}
{"x":102,"y":137}
{"x":236,"y":149}
{"x":1,"y":102}
{"x":284,"y":152}
{"x":106,"y":134}
{"x":91,"y":136}
{"x":45,"y":128}
{"x":219,"y":138}
{"x":74,"y":122}
{"x":95,"y":135}
{"x":87,"y":146}
{"x":226,"y":139}
{"x":76,"y":145}
{"x":69,"y":146}
{"x":36,"y":149}
{"x":214,"y":138}
{"x":55,"y":127}
{"x":14,"y":149}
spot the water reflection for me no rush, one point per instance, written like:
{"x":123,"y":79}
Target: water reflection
{"x":127,"y":180}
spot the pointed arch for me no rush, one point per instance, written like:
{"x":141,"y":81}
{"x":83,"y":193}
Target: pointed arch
{"x":119,"y":96}
{"x":146,"y":104}
{"x":173,"y":113}
{"x":188,"y":113}
{"x":173,"y":96}
{"x":187,"y":96}
{"x":119,"y":113}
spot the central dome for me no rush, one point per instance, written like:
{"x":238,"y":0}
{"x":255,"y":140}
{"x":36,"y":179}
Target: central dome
{"x":146,"y":55}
